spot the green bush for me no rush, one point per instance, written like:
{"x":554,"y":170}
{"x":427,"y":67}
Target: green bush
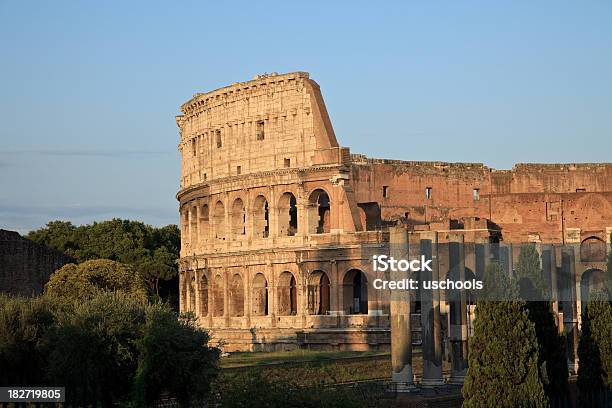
{"x":503,"y":368}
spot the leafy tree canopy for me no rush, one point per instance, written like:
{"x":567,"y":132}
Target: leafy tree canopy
{"x":82,"y":281}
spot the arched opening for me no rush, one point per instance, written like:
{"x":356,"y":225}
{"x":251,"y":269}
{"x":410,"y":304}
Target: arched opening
{"x":319,"y":212}
{"x":593,"y":249}
{"x":287,"y":294}
{"x":219,"y":220}
{"x":287,"y":215}
{"x":590,"y":281}
{"x":218,"y":296}
{"x":261,"y":218}
{"x":192,"y":293}
{"x":236,"y":296}
{"x":238,"y":218}
{"x":318,"y":293}
{"x":355,"y":292}
{"x":203,"y":296}
{"x":370,"y":216}
{"x":204,"y":222}
{"x":260,"y":295}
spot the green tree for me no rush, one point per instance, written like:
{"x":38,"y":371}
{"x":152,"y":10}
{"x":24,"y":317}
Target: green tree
{"x":24,"y":323}
{"x":152,"y":252}
{"x":503,"y":369}
{"x":92,"y":350}
{"x":551,"y":345}
{"x":174,"y":358}
{"x":73,"y":282}
{"x":595,"y":346}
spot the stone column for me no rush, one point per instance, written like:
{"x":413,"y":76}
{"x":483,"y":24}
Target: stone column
{"x":430,"y":317}
{"x":568,"y":296}
{"x":458,"y":313}
{"x":401,"y":334}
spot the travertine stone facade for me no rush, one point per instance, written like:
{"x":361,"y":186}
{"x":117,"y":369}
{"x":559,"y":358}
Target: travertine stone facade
{"x":279,"y":223}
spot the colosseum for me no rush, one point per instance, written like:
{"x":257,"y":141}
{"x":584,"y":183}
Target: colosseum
{"x":279,"y":224}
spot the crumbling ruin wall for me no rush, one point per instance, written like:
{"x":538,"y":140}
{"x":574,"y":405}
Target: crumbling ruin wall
{"x":25,"y":266}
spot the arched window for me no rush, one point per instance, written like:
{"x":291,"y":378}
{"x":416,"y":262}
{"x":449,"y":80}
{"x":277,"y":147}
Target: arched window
{"x":203,"y":296}
{"x":318,"y":293}
{"x":236,"y":296}
{"x":219,"y":220}
{"x":287,"y":215}
{"x":261,"y":218}
{"x":593,"y":249}
{"x":238,"y":218}
{"x":319,"y":212}
{"x":260,"y":295}
{"x":355,"y":286}
{"x":204,"y":223}
{"x":287,"y":294}
{"x":218,"y":296}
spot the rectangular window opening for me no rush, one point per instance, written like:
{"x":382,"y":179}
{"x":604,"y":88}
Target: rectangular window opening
{"x":476,"y":194}
{"x":581,"y":190}
{"x":238,"y":170}
{"x":218,"y":139}
{"x":385,"y":191}
{"x":428,"y":193}
{"x":260,"y":130}
{"x":287,"y":162}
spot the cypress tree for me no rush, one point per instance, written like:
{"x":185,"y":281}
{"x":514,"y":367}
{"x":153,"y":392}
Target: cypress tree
{"x":503,"y":366}
{"x":551,"y":345}
{"x":595,"y":346}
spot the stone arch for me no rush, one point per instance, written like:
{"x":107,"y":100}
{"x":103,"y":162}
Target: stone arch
{"x":355,"y":292}
{"x":318,"y":293}
{"x":236,"y":296}
{"x":287,"y":294}
{"x":260,"y":295}
{"x":287,"y":215}
{"x":238,"y":218}
{"x":591,"y":280}
{"x":218,"y":296}
{"x":261,"y":217}
{"x":319,"y":212}
{"x":219,"y":220}
{"x":204,"y":222}
{"x":203,"y":288}
{"x":593,"y":249}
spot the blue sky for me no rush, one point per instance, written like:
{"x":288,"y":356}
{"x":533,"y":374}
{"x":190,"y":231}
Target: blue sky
{"x":89,"y":90}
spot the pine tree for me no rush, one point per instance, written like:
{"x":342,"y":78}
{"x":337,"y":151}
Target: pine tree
{"x":503,"y":368}
{"x":595,"y":346}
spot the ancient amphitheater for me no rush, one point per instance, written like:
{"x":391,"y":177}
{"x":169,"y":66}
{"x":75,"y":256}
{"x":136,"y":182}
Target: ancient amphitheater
{"x":279,"y":223}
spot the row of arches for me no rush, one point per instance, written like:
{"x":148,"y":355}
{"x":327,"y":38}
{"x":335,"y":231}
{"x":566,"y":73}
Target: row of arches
{"x":211,"y":220}
{"x":318,"y":293}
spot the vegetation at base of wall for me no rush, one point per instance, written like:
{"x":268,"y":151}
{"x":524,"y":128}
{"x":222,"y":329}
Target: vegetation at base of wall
{"x":111,"y":347}
{"x":595,"y":346}
{"x":503,"y":368}
{"x":151,"y":252}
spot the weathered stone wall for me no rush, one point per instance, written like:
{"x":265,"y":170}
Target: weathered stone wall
{"x":25,"y":266}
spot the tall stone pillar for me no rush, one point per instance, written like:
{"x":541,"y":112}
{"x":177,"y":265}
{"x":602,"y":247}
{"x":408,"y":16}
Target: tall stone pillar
{"x":568,"y":296}
{"x":430,"y":317}
{"x":458,"y":313}
{"x":401,"y":334}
